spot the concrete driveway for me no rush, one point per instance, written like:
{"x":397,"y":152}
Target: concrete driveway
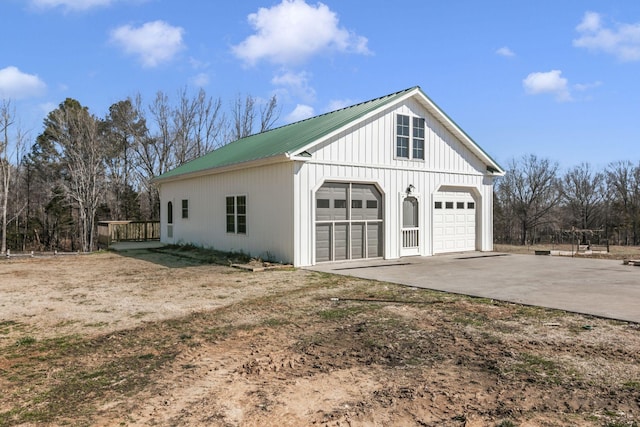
{"x":603,"y":288}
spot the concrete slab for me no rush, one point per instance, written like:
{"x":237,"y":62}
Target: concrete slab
{"x":604,"y":288}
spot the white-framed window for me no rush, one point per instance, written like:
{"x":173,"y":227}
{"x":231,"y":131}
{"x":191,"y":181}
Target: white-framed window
{"x":410,"y":137}
{"x":185,"y":209}
{"x":236,"y":207}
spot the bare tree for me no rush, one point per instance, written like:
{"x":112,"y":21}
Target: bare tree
{"x":269,"y":114}
{"x":583,"y":193}
{"x":210,"y":123}
{"x":529,"y":191}
{"x":623,"y":182}
{"x":7,"y":118}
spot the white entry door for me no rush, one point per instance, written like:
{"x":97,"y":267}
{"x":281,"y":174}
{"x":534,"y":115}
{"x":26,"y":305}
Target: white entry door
{"x":410,"y":230}
{"x":454,"y":222}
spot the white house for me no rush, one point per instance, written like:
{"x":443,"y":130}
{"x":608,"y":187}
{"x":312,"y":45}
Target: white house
{"x":387,"y":178}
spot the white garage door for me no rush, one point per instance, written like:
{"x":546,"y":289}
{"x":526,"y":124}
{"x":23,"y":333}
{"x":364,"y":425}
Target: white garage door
{"x":454,"y":222}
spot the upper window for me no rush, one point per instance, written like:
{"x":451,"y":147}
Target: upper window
{"x":418,"y":138}
{"x":402,"y":136}
{"x":185,"y":208}
{"x":236,"y":214}
{"x":409,"y":137}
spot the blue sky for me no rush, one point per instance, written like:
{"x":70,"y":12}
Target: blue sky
{"x":559,"y":79}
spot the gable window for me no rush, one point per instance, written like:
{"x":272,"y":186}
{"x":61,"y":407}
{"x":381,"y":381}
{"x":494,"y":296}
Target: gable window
{"x":418,"y":138}
{"x":185,"y":208}
{"x":236,"y":214}
{"x":409,"y":137}
{"x":402,"y":136}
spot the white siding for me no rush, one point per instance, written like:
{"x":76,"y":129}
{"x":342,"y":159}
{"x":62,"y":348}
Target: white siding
{"x":372,"y":143}
{"x":269,"y":191}
{"x":366,"y":153}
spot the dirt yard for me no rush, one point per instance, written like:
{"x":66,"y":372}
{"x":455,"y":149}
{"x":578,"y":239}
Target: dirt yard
{"x":147,"y":338}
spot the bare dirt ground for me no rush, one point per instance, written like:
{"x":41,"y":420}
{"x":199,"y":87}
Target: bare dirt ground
{"x":149,"y":338}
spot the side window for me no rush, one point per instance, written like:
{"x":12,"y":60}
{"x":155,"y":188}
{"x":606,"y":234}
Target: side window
{"x":185,"y":208}
{"x":236,"y":214}
{"x":170,"y":213}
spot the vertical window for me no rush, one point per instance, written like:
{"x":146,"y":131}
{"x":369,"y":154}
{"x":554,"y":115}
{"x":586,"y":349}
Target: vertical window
{"x":402,"y":136}
{"x":169,"y":213}
{"x":231,"y":214}
{"x":410,"y":137}
{"x":185,"y":208}
{"x":236,"y":214}
{"x":418,"y":138}
{"x":241,"y":204}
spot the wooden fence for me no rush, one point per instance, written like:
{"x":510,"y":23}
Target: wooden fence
{"x":127,"y":231}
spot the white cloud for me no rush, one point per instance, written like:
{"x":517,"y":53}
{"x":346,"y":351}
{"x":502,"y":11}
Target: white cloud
{"x":586,"y":86}
{"x":338,"y":104}
{"x":154,"y":42}
{"x":301,"y":112}
{"x":505,"y":51}
{"x":15,"y":84}
{"x":78,"y":5}
{"x":296,"y":84}
{"x":292,"y":31}
{"x":200,"y":80}
{"x":550,"y":82}
{"x":621,"y":40}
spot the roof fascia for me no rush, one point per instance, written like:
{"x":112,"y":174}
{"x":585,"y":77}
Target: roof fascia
{"x":493,"y":167}
{"x":279,"y":158}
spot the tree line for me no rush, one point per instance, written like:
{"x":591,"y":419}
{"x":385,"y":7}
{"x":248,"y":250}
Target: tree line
{"x":83,"y":168}
{"x":535,"y":202}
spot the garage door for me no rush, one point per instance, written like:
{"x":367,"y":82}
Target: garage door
{"x":349,"y":223}
{"x":454,"y":222}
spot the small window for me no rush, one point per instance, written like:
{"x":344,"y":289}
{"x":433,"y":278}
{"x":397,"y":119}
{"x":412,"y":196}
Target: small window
{"x":231,"y":215}
{"x":356,"y":204}
{"x":185,"y":208}
{"x":418,"y":138}
{"x":402,"y":136}
{"x":322,"y":204}
{"x":448,"y":205}
{"x":241,"y":204}
{"x":372,"y":204}
{"x":471,"y":205}
{"x":438,"y":205}
{"x":460,"y":205}
{"x":340,"y":204}
{"x":236,"y":210}
{"x":170,"y":213}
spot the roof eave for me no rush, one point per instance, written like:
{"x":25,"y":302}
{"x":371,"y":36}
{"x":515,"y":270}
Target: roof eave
{"x":279,"y":158}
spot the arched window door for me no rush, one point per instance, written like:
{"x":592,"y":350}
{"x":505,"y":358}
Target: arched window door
{"x":410,"y":226}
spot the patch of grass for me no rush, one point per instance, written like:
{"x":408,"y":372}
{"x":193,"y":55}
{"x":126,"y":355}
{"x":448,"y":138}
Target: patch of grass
{"x":274,"y":322}
{"x":506,"y":423}
{"x":339,"y":313}
{"x":632,"y":385}
{"x":26,"y":341}
{"x":538,"y":368}
{"x":6,"y":326}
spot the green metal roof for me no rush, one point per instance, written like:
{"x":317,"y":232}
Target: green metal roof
{"x":285,"y":140}
{"x":290,"y":139}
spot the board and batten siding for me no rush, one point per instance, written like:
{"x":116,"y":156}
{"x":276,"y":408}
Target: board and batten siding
{"x":366,"y":154}
{"x":269,"y":192}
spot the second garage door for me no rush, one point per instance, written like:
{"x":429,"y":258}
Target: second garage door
{"x":454,"y":222}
